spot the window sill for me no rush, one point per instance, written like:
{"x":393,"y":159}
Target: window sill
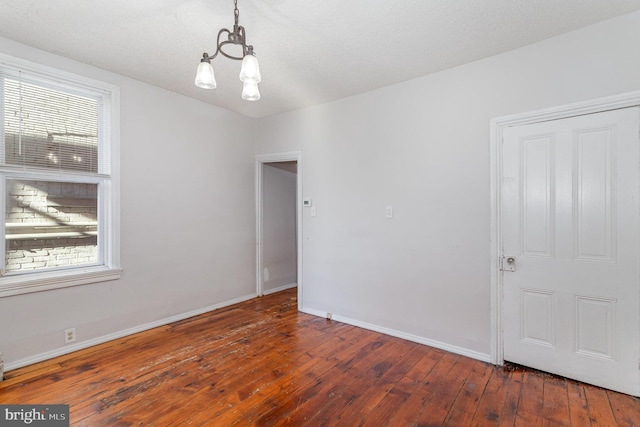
{"x":37,"y":282}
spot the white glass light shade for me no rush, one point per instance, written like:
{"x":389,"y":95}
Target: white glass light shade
{"x":250,"y":71}
{"x":204,"y":77}
{"x":250,"y":91}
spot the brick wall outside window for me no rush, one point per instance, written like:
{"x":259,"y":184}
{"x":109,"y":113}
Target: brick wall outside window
{"x":50,"y":224}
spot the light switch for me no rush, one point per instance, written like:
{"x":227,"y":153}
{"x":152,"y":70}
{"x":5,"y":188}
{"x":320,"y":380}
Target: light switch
{"x":388,"y":212}
{"x":313,"y":211}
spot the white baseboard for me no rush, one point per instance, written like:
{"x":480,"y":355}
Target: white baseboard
{"x":99,"y":340}
{"x":279,"y":289}
{"x":484,"y":357}
{"x":105,"y":338}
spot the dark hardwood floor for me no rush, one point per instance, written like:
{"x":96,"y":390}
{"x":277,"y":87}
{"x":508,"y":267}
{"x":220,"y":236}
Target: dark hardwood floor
{"x":263,"y":363}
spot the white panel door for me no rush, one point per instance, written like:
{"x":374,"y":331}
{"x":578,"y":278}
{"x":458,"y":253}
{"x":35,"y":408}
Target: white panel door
{"x":570,"y":217}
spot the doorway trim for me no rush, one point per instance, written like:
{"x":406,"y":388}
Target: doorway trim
{"x":498,"y":125}
{"x":262,"y":159}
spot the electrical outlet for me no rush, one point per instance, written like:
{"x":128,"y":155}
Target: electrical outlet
{"x":69,"y":335}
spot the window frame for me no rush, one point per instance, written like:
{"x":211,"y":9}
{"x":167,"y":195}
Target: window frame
{"x":108,"y":189}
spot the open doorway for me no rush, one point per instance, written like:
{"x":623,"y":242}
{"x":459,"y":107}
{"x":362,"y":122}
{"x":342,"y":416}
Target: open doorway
{"x":278,"y":216}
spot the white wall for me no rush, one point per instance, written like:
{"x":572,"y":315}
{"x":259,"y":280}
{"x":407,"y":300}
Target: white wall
{"x":279,"y":227}
{"x":187,"y":221}
{"x":422,"y":146}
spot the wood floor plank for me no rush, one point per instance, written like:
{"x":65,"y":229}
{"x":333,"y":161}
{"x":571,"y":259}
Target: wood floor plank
{"x":466,"y":404}
{"x":491,"y":404}
{"x":379,"y":379}
{"x":556,"y":401}
{"x":151,"y":376}
{"x":227,"y":370}
{"x":263,"y":363}
{"x":337,"y":391}
{"x":531,"y":408}
{"x":419,"y":401}
{"x":443,"y":398}
{"x":512,"y":398}
{"x":393,"y":390}
{"x":390,"y":403}
{"x":578,"y":406}
{"x":410,"y":406}
{"x":626,"y":411}
{"x":600,"y":410}
{"x":315,"y":383}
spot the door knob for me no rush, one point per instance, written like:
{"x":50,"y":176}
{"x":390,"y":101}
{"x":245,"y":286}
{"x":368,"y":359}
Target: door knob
{"x":508,"y":263}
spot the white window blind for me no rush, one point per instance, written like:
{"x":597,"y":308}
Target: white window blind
{"x":48,"y":125}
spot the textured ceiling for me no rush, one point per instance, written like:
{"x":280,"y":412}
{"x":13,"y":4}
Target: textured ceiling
{"x":310,"y":51}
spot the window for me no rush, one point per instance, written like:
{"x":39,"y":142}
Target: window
{"x":58,"y":181}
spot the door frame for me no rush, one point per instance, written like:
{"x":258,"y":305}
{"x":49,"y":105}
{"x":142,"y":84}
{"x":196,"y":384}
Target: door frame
{"x":261,"y":160}
{"x":498,"y":125}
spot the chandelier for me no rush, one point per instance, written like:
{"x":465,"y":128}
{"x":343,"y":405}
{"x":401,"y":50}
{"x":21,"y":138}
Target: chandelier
{"x":249,"y":72}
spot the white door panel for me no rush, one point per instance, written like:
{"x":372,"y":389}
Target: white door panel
{"x":570,"y":215}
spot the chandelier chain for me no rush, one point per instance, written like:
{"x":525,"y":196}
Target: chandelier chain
{"x":236,"y":12}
